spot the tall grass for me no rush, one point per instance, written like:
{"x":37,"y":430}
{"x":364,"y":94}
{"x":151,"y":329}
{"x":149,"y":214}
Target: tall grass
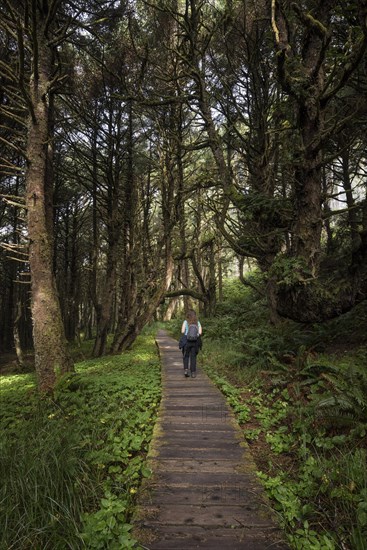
{"x":45,"y":486}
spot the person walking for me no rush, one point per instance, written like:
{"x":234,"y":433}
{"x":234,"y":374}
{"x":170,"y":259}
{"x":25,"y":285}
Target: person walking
{"x":192,"y":330}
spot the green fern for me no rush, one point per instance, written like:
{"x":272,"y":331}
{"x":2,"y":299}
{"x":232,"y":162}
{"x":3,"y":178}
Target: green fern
{"x":345,"y":399}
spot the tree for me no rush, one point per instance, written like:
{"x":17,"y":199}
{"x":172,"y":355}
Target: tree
{"x":37,"y":36}
{"x":315,"y":64}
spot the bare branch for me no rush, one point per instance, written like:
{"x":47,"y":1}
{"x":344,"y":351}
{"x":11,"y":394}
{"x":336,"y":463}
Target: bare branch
{"x":13,"y":200}
{"x":13,"y":146}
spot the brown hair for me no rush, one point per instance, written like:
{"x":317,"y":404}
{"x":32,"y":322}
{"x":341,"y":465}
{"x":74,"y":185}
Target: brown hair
{"x":191,"y":317}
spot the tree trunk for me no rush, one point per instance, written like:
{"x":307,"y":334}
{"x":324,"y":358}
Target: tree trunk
{"x":172,"y":306}
{"x":114,"y":207}
{"x":146,"y":312}
{"x":105,"y":307}
{"x":308,"y":190}
{"x":17,"y":341}
{"x":352,"y":212}
{"x":303,"y":60}
{"x":128,"y":303}
{"x":51,"y":354}
{"x":212,"y":281}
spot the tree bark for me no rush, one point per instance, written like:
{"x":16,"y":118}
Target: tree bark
{"x":51,"y":354}
{"x":305,"y":74}
{"x":17,"y":340}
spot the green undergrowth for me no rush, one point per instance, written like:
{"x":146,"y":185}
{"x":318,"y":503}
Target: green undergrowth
{"x":312,"y":465}
{"x":71,"y":464}
{"x":300,"y":395}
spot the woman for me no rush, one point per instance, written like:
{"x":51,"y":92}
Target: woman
{"x":192,"y":329}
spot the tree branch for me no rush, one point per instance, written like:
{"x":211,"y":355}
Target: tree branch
{"x":12,"y":146}
{"x":349,"y":67}
{"x":186,"y":292}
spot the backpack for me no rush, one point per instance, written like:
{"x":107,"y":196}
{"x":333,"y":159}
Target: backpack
{"x":192,"y":333}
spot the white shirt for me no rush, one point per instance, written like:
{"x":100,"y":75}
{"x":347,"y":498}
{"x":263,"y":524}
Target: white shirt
{"x":185,"y":327}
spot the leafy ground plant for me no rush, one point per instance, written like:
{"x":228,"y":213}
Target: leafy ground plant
{"x":71,"y":465}
{"x":300,"y":395}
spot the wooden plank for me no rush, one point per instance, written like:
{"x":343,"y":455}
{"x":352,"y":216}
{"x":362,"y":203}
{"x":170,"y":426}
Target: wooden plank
{"x":229,"y":516}
{"x":203,"y":492}
{"x":214,"y":495}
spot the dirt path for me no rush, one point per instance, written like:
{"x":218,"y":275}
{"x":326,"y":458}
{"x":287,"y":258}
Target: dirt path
{"x":204,"y":493}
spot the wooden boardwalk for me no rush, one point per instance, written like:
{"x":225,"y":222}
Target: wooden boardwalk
{"x":203,"y":493}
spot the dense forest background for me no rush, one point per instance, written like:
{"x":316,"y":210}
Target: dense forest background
{"x":149,"y":150}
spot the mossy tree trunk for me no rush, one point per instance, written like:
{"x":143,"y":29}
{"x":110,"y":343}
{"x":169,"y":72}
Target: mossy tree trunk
{"x":51,"y":354}
{"x":305,"y":37}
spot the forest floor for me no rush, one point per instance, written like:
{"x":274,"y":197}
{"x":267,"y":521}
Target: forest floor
{"x":279,"y":382}
{"x":9,"y":363}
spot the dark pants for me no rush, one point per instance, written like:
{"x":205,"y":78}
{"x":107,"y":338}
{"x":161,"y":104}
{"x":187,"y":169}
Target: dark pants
{"x":189,"y":355}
